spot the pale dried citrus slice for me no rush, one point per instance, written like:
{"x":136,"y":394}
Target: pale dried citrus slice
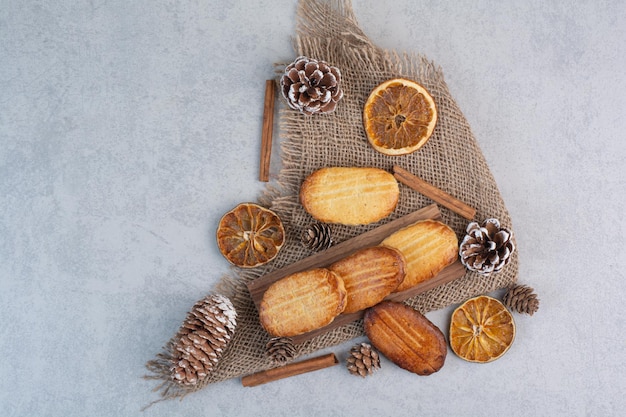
{"x":250,"y":235}
{"x":399,"y":117}
{"x":481,"y":329}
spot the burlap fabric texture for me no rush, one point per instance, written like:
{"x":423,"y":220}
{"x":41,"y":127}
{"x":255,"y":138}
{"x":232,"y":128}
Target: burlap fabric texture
{"x":451,"y":160}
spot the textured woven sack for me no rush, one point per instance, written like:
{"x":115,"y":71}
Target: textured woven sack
{"x":450,"y":160}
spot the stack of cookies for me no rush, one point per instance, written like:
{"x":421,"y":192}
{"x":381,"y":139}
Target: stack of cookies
{"x":309,"y":300}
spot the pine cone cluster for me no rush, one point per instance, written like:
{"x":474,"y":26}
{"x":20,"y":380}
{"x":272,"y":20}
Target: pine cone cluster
{"x":521,"y":298}
{"x":363,"y":360}
{"x":202,"y":338}
{"x":317,"y":237}
{"x":311,"y":86}
{"x":486,"y":248}
{"x":281,"y":349}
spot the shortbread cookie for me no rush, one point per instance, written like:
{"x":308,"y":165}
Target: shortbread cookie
{"x":428,"y":247}
{"x":350,"y":196}
{"x":370,"y":274}
{"x":302,"y":302}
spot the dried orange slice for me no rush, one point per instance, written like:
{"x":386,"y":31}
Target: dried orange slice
{"x":399,"y":117}
{"x":481,"y":329}
{"x":250,"y":235}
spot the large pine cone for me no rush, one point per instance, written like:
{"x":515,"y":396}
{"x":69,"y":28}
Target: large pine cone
{"x":202,"y":339}
{"x":487,"y":248}
{"x":311,"y":86}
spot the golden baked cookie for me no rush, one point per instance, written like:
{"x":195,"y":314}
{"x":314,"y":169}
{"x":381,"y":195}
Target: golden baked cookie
{"x":405,"y":337}
{"x":370,"y":274}
{"x":428,"y":247}
{"x":350,"y":196}
{"x":302,"y":302}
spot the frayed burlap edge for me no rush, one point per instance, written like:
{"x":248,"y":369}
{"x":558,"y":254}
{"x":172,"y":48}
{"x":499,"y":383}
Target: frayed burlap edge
{"x":451,"y":160}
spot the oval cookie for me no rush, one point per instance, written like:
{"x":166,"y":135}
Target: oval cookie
{"x":369,"y":274}
{"x":349,"y":196}
{"x":406,"y":337}
{"x":428,"y":247}
{"x":302,"y":302}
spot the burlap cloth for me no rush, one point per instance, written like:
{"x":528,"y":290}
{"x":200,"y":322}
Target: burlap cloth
{"x":450,"y":160}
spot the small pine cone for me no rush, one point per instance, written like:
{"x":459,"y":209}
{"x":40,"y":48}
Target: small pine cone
{"x":363,"y":360}
{"x":487,"y":248}
{"x":317,"y":237}
{"x":311,"y":86}
{"x":202,"y":339}
{"x":522,"y":299}
{"x":281,"y":349}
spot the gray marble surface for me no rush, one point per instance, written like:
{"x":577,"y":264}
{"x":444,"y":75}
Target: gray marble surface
{"x":127,"y":128}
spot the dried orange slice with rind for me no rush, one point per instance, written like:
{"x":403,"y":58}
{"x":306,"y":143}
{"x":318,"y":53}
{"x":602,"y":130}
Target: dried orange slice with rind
{"x":481,"y":330}
{"x":399,"y":117}
{"x":250,"y":235}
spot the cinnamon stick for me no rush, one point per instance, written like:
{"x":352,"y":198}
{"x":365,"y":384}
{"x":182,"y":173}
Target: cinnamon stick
{"x":267,"y":133}
{"x":433,"y":193}
{"x":292,"y":369}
